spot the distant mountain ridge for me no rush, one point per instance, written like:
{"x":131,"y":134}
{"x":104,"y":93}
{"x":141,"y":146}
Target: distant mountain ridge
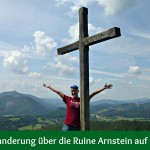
{"x":15,"y":103}
{"x":139,"y":108}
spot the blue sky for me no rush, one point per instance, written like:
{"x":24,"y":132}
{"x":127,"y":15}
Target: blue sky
{"x":32,"y":30}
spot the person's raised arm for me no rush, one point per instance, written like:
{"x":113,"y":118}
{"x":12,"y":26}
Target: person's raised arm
{"x":54,"y":90}
{"x":100,"y":90}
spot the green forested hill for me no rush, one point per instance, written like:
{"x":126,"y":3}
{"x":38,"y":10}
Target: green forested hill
{"x":15,"y":103}
{"x":26,"y":112}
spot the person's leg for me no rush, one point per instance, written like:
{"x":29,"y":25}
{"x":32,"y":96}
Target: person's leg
{"x":75,"y":128}
{"x":66,"y":127}
{"x":70,"y":128}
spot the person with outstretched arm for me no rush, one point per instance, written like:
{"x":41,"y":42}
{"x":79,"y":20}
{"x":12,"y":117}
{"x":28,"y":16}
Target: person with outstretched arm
{"x":72,"y":120}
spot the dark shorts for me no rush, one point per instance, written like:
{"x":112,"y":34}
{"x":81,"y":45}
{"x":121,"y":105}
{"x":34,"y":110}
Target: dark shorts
{"x":70,"y":128}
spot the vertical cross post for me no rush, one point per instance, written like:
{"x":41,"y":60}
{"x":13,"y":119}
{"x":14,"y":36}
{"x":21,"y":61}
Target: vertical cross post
{"x":84,"y":69}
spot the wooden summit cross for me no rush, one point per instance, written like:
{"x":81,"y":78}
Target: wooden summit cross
{"x":83,"y":45}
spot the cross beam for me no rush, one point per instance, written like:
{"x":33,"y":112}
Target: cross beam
{"x":83,"y":45}
{"x":88,"y":41}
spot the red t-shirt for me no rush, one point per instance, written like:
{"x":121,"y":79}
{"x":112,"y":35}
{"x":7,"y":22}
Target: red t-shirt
{"x":72,"y":111}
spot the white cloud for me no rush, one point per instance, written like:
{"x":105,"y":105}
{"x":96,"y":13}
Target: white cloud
{"x":117,"y":75}
{"x":40,"y":47}
{"x":16,"y":62}
{"x":3,"y":52}
{"x":66,"y":58}
{"x":135,"y":70}
{"x":111,"y":7}
{"x":43,"y":43}
{"x":5,"y":48}
{"x":93,"y":29}
{"x":79,"y":3}
{"x":95,"y":83}
{"x":130,"y":82}
{"x":73,"y":33}
{"x":34,"y":75}
{"x":64,"y":64}
{"x":76,"y":3}
{"x":91,"y":80}
{"x":63,"y":68}
{"x":61,"y":2}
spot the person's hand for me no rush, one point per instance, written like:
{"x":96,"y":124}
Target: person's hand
{"x":109,"y":86}
{"x":45,"y":85}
